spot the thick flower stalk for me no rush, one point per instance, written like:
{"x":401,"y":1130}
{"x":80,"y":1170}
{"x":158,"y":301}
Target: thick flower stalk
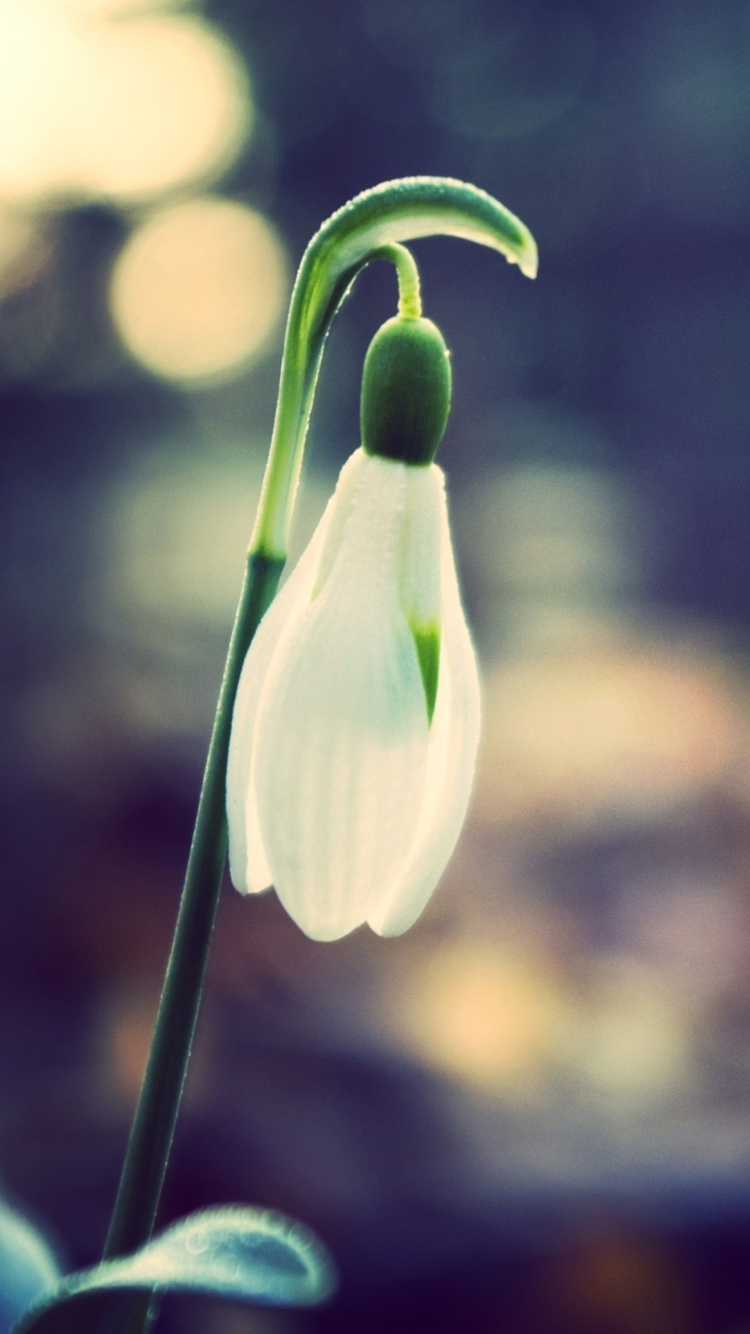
{"x":357,"y":716}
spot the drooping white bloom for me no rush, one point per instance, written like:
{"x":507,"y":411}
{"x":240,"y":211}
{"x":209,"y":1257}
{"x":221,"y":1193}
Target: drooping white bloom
{"x":345,"y":790}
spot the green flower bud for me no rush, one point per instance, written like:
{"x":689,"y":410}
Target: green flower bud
{"x":406,"y":391}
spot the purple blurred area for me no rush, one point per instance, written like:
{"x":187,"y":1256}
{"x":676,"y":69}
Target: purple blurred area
{"x":532,"y":1112}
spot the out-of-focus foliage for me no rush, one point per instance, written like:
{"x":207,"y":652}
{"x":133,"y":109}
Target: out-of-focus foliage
{"x":243,"y":1255}
{"x":27,"y":1266}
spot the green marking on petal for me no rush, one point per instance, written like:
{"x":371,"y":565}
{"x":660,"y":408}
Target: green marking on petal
{"x":427,"y":641}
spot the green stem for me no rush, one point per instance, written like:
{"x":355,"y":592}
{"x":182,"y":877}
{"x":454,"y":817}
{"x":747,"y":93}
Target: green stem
{"x":409,"y":289}
{"x":153,"y":1126}
{"x":367,"y":228}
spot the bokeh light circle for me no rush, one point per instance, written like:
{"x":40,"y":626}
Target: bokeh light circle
{"x":170,"y":104}
{"x":121,"y":107}
{"x":198,"y":289}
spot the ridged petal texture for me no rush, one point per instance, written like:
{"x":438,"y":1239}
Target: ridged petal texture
{"x":248,"y":864}
{"x":452,"y":747}
{"x":339,"y":790}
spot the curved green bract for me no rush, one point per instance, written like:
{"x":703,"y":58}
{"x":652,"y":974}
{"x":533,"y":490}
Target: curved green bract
{"x":396,"y":211}
{"x":248,"y":1255}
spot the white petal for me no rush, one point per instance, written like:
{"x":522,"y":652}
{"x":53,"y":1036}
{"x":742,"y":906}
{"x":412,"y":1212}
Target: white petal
{"x":247,"y":859}
{"x":454,"y":737}
{"x":248,"y":864}
{"x":342,"y":733}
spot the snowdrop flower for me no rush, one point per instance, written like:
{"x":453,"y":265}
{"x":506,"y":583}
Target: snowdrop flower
{"x":356,"y":720}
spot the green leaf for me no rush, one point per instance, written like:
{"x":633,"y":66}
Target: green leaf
{"x":351,"y":238}
{"x":27,"y":1266}
{"x":248,"y":1255}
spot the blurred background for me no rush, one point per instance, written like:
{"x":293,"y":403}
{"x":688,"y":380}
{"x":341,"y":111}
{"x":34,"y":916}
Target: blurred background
{"x":532,"y":1112}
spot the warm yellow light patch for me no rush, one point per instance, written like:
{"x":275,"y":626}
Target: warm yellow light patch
{"x":634,"y":1043}
{"x":634,"y":729}
{"x":169,"y":103}
{"x":198,"y":289}
{"x":100,"y":99}
{"x":24,"y":248}
{"x":482,"y":1014}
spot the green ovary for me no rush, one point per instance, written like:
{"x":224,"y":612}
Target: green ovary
{"x":427,"y":641}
